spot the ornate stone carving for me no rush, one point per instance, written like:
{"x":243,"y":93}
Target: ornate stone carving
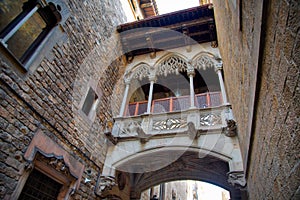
{"x":142,"y":71}
{"x":173,"y":64}
{"x":204,"y":62}
{"x":104,"y":184}
{"x":57,"y":163}
{"x":169,"y":124}
{"x":237,"y":179}
{"x":129,"y":127}
{"x":210,"y":119}
{"x":231,"y":129}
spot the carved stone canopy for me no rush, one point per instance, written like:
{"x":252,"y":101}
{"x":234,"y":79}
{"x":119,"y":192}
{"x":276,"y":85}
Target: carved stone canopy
{"x":171,"y":64}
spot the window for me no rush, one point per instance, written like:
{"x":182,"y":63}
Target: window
{"x":39,"y":186}
{"x":24,"y":27}
{"x":90,"y":103}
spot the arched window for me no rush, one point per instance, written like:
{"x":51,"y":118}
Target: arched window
{"x":25,"y":26}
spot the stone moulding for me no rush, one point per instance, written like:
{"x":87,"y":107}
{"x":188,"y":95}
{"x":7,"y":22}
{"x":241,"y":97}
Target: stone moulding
{"x":47,"y":147}
{"x":147,"y":125}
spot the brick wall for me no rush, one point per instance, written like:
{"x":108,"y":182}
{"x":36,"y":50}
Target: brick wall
{"x":48,"y":99}
{"x":273,"y":165}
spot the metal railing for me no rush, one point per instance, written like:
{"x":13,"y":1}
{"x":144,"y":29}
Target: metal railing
{"x":172,"y":104}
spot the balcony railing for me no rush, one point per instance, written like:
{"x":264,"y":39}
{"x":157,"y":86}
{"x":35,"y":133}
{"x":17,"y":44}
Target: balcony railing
{"x":172,"y":104}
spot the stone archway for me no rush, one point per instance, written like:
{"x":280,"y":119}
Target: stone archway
{"x":189,"y":166}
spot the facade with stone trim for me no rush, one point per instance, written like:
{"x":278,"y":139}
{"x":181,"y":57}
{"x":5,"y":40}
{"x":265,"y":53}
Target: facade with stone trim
{"x":93,"y":108}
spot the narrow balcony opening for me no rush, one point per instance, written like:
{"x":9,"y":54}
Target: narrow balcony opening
{"x":172,"y":93}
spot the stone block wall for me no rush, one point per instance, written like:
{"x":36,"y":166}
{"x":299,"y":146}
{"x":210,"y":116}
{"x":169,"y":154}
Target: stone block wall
{"x":270,"y":140}
{"x":48,"y":98}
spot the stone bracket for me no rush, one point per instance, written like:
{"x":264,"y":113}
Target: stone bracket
{"x":111,"y":138}
{"x":237,"y":179}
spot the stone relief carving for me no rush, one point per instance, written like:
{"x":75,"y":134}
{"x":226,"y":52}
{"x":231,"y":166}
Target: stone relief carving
{"x":169,"y":124}
{"x":131,"y":127}
{"x":210,"y":119}
{"x":171,"y":65}
{"x":203,"y":62}
{"x":237,"y":179}
{"x":56,"y":163}
{"x":104,"y":184}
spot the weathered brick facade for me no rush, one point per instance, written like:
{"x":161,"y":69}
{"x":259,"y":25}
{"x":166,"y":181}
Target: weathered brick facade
{"x":48,"y":98}
{"x":261,"y":64}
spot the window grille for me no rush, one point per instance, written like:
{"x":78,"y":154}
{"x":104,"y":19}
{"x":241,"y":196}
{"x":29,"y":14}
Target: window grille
{"x":39,"y":186}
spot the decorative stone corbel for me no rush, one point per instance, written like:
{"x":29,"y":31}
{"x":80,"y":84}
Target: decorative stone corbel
{"x":213,"y":36}
{"x":104,"y":184}
{"x":187,"y":39}
{"x":193,"y":132}
{"x":237,"y":179}
{"x":142,"y":135}
{"x":150,"y":44}
{"x":111,"y":138}
{"x":231,"y":128}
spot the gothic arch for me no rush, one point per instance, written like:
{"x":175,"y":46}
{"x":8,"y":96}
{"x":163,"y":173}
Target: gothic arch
{"x":139,"y":71}
{"x":170,"y":64}
{"x":210,"y":167}
{"x":204,"y":60}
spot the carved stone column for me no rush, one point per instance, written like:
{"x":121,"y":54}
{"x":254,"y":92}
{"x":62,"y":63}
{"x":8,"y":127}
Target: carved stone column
{"x":191,"y":74}
{"x":127,"y":84}
{"x":218,"y":69}
{"x":152,"y":81}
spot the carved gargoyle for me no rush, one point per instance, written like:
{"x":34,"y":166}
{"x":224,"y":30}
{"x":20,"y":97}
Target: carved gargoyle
{"x":237,"y":179}
{"x":104,"y":184}
{"x":231,"y":129}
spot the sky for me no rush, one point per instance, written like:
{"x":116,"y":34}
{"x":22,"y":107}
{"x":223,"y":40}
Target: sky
{"x":164,"y":6}
{"x":167,"y":6}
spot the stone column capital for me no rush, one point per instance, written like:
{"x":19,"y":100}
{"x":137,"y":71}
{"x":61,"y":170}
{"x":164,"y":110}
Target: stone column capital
{"x":219,"y":66}
{"x":152,"y":78}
